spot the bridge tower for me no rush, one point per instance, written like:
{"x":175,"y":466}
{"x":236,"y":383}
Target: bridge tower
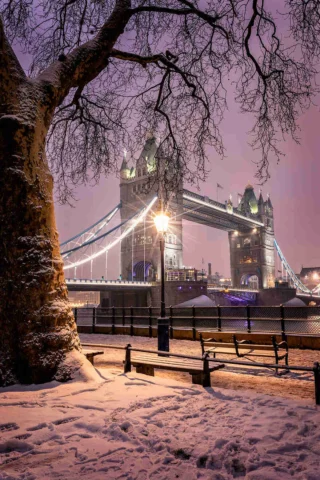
{"x":140,"y":252}
{"x":252,"y":255}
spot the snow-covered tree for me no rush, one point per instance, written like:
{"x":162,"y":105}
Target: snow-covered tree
{"x":101,"y":73}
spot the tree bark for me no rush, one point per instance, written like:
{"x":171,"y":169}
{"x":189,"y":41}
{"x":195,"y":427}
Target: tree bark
{"x":37,"y":327}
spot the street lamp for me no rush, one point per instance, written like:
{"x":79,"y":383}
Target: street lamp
{"x":161,"y":221}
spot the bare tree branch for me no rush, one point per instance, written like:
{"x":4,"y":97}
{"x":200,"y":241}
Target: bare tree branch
{"x":114,"y":69}
{"x":86,"y":62}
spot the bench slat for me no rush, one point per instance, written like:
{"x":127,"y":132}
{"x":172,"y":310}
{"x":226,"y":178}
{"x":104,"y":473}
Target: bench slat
{"x":94,"y":353}
{"x":178,"y":368}
{"x":175,"y":368}
{"x":166,"y":361}
{"x":172,"y":366}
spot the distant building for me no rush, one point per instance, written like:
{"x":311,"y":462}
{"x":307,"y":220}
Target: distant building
{"x":310,"y":276}
{"x":84,"y":299}
{"x":225,"y":282}
{"x":186,"y":274}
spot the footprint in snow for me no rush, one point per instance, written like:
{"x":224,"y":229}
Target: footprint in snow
{"x":23,"y":436}
{"x":7,"y":427}
{"x":40,"y":426}
{"x":65,"y":420}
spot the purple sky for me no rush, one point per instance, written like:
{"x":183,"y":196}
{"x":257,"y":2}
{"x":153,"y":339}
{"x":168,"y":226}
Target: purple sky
{"x":293,"y":187}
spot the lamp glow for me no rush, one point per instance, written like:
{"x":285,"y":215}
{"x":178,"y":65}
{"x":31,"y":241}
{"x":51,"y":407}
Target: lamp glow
{"x":161,"y":222}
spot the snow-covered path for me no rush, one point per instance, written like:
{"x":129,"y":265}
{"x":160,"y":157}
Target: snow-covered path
{"x":297,"y":385}
{"x":137,"y":427}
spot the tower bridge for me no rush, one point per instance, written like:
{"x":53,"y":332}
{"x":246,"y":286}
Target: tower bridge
{"x":249,"y":225}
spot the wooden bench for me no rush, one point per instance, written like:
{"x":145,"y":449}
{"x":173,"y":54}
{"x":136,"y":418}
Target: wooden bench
{"x":245,"y":348}
{"x":91,"y":354}
{"x":199,"y":368}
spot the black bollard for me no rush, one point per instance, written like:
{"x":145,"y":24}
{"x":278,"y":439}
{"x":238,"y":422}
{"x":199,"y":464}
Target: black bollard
{"x":163,"y":334}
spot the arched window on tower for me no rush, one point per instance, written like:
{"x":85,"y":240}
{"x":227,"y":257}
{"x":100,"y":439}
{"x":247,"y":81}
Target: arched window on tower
{"x":139,"y":172}
{"x":144,"y":171}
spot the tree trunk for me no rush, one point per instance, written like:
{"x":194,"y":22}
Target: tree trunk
{"x":37,"y":327}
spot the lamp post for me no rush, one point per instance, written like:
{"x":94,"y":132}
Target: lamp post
{"x":161,"y":221}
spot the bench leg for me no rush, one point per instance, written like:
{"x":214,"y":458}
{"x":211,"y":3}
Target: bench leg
{"x":201,"y":379}
{"x":90,"y":358}
{"x":145,"y":370}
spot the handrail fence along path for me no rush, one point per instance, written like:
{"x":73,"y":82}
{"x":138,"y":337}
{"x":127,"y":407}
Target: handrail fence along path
{"x":241,"y":319}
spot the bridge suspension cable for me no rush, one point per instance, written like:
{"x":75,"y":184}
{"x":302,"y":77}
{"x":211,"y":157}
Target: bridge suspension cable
{"x":100,"y":223}
{"x":293,"y":277}
{"x":132,"y":221}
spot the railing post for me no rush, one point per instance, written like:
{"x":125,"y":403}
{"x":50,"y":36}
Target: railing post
{"x":127,"y":362}
{"x":94,"y":320}
{"x":283,"y":327}
{"x":194,"y":333}
{"x":150,"y":321}
{"x":131,"y":321}
{"x":316,"y":373}
{"x":206,"y":371}
{"x":248,"y":319}
{"x":76,"y":315}
{"x":113,"y":327}
{"x":123,"y":316}
{"x":171,"y":321}
{"x":219,"y":318}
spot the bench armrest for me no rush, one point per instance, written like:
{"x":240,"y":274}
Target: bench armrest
{"x":243,"y":342}
{"x":283,"y":344}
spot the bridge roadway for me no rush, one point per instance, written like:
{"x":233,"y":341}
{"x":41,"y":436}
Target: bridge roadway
{"x":101,"y":285}
{"x":81,"y":285}
{"x":206,"y":211}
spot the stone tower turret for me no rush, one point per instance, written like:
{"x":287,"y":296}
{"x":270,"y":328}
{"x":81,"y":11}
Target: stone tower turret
{"x":252,"y":250}
{"x":140,"y":253}
{"x":124,"y":170}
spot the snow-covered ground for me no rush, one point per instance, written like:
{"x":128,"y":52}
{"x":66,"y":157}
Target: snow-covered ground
{"x":117,"y":426}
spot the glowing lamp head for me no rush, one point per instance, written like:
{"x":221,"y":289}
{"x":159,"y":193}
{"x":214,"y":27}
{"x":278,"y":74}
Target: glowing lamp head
{"x":161,"y":221}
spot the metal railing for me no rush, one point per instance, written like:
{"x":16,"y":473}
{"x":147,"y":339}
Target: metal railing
{"x":242,"y":319}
